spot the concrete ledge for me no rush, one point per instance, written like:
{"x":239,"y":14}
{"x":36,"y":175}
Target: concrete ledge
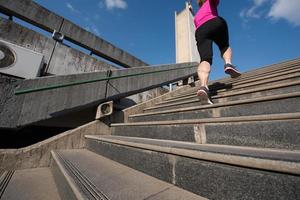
{"x":33,"y":13}
{"x":38,"y":155}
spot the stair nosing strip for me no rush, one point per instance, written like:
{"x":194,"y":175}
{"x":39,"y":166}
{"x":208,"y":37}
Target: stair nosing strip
{"x":251,"y":162}
{"x":68,"y":178}
{"x":5,"y":181}
{"x":89,"y":186}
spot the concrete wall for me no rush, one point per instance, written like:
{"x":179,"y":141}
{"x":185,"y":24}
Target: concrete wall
{"x":39,"y":155}
{"x":186,"y":49}
{"x":43,"y":105}
{"x":37,"y":15}
{"x":65,"y":60}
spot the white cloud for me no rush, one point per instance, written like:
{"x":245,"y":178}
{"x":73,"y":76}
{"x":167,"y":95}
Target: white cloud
{"x":288,"y":10}
{"x":274,"y":9}
{"x":111,"y":4}
{"x":71,"y":8}
{"x":253,"y":11}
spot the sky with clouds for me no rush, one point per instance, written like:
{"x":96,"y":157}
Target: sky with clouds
{"x":262,"y":32}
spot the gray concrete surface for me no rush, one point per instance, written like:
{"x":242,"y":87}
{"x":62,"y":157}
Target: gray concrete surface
{"x":212,"y":180}
{"x":194,"y":100}
{"x":37,"y":15}
{"x":44,"y":105}
{"x":256,"y":106}
{"x":30,"y":11}
{"x":39,"y":154}
{"x":65,"y":60}
{"x":117,"y":181}
{"x":31,"y":184}
{"x":261,"y":133}
{"x":19,"y":35}
{"x":186,"y":49}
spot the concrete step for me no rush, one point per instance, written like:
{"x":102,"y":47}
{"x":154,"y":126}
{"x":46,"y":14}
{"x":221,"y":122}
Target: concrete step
{"x":92,"y":176}
{"x":279,"y":131}
{"x":193,"y":100}
{"x":252,"y":75}
{"x":263,"y":71}
{"x":30,"y":184}
{"x":260,"y":72}
{"x":273,"y":104}
{"x":212,"y":171}
{"x":217,"y":94}
{"x":226,"y":87}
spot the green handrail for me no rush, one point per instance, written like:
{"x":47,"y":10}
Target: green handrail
{"x":55,"y":86}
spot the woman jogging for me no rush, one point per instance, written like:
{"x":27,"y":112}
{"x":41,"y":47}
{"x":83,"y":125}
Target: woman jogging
{"x":211,"y":28}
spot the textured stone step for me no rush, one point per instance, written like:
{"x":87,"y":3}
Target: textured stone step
{"x":193,"y":100}
{"x":227,"y":87}
{"x":263,"y":71}
{"x":252,"y":75}
{"x":105,"y":179}
{"x":260,"y":72}
{"x":31,"y":184}
{"x":280,"y":131}
{"x":260,"y":90}
{"x":212,"y":171}
{"x":273,"y":104}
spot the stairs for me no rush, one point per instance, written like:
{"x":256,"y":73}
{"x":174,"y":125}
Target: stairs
{"x":244,"y":146}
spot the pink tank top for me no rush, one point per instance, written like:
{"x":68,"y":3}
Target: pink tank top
{"x":207,"y":12}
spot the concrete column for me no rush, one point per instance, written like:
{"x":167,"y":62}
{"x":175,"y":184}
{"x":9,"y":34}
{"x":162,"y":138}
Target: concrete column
{"x":186,"y":49}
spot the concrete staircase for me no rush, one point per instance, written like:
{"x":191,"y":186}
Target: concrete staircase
{"x":244,"y":146}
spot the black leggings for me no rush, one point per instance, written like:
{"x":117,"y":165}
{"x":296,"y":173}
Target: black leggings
{"x":214,"y":30}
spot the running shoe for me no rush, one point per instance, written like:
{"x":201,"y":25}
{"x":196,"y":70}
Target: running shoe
{"x":231,"y":70}
{"x":204,"y":95}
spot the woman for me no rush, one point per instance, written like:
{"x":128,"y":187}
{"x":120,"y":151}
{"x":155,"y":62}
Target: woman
{"x":211,"y":28}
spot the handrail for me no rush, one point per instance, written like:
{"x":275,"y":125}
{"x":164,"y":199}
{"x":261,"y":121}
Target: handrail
{"x":55,"y":86}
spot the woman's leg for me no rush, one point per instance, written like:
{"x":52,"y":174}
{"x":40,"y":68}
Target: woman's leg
{"x":227,"y":56}
{"x":222,"y":40}
{"x":203,"y":73}
{"x":204,"y":46}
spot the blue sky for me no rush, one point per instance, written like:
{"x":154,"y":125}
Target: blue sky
{"x":262,"y":32}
